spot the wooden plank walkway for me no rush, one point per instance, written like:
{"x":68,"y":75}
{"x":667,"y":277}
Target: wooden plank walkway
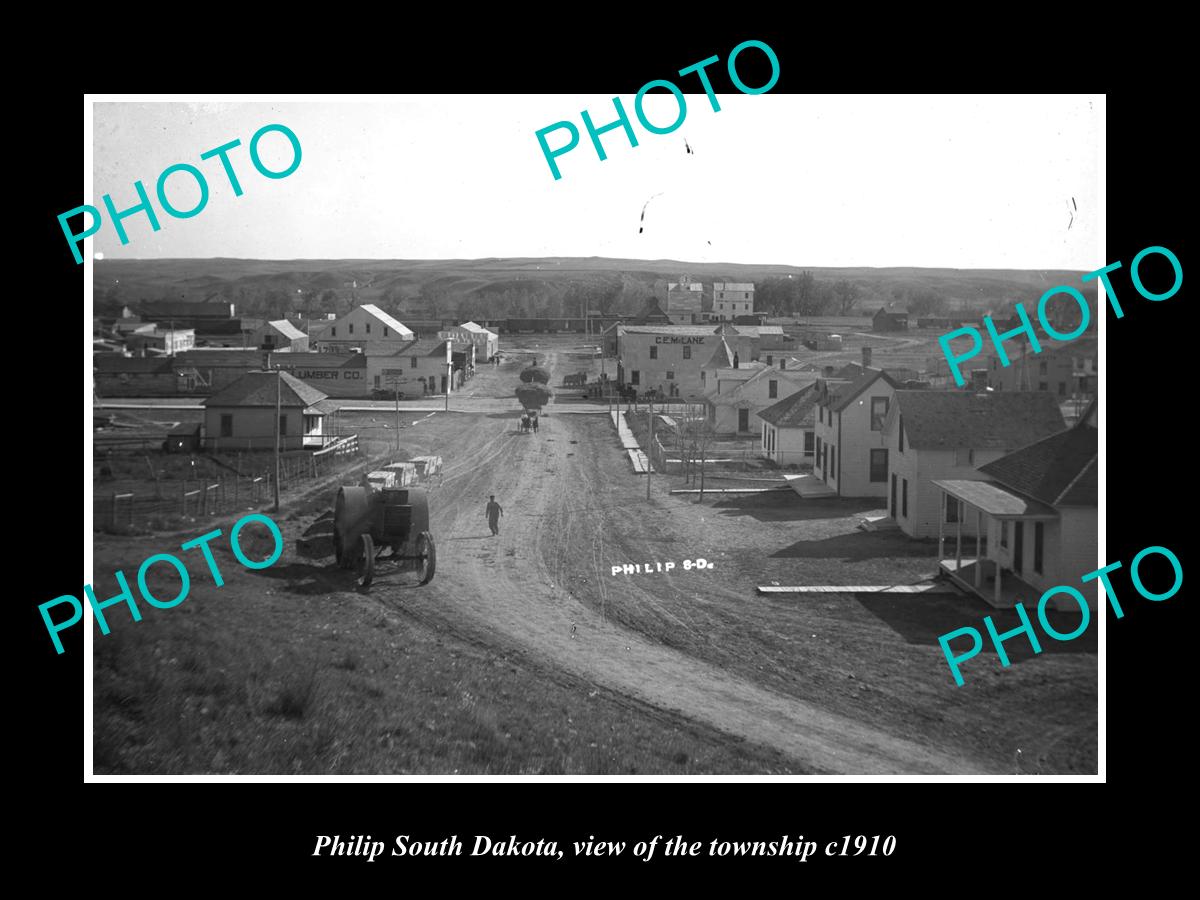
{"x":640,"y":463}
{"x":757,"y":490}
{"x":929,"y":588}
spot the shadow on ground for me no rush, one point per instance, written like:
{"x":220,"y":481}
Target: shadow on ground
{"x":859,"y":546}
{"x":923,"y":618}
{"x":787,"y":506}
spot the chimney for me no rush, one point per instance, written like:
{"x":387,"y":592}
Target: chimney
{"x":866,"y":351}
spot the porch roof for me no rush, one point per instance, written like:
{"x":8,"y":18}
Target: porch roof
{"x":996,"y":500}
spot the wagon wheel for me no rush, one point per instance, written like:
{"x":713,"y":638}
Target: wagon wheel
{"x":343,"y":555}
{"x":426,"y":557}
{"x":366,"y":564}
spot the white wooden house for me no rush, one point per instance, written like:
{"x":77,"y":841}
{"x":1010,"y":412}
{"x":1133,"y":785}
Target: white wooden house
{"x":1035,"y":510}
{"x":850,"y":449}
{"x":789,"y":427}
{"x":949,"y":434}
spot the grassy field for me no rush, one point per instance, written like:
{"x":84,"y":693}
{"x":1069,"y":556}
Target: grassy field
{"x":259,"y":677}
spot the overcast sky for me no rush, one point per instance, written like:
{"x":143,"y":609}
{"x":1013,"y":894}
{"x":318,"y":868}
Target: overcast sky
{"x":966,"y":181}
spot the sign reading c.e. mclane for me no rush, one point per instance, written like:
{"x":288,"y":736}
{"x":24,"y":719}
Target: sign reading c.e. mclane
{"x":679,"y":340}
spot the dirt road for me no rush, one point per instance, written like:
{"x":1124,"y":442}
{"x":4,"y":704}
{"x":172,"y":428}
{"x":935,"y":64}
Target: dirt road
{"x":541,"y":586}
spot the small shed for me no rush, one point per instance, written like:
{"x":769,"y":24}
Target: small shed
{"x":890,"y":318}
{"x":184,"y":437}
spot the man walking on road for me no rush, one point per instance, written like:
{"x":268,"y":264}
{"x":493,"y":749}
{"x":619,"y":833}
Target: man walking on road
{"x":494,"y":512}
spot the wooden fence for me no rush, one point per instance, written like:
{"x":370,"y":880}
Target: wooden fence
{"x":217,"y":493}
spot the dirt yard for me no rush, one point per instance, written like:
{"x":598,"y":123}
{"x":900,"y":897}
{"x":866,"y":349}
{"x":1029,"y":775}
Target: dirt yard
{"x":526,"y":654}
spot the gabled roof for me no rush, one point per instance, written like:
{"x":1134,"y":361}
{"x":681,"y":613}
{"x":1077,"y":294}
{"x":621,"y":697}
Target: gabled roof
{"x":372,"y":310}
{"x":843,"y":396}
{"x":892,"y":310}
{"x":258,"y":389}
{"x":679,"y":330}
{"x":286,"y":328}
{"x":794,"y":411}
{"x":764,"y":373}
{"x":952,"y":420}
{"x":423,"y":347}
{"x":115,"y":364}
{"x":722,"y":357}
{"x":1060,"y":470}
{"x":733,"y":285}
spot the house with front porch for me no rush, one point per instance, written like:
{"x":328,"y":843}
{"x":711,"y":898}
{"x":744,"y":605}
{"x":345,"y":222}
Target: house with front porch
{"x":241,"y":416}
{"x":1036,"y":516}
{"x":949,"y":434}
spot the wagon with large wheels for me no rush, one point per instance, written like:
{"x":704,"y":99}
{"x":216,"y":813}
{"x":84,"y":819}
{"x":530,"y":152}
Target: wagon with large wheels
{"x":369,"y":521}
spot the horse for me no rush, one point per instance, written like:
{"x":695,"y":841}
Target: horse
{"x":525,"y":424}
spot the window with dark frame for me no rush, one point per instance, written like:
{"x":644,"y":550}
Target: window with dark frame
{"x":1039,"y":535}
{"x":772,"y":389}
{"x":635,"y":377}
{"x":879,"y":465}
{"x":226,"y":425}
{"x":687,"y":352}
{"x":953,"y":511}
{"x":904,"y":497}
{"x":654,"y":353}
{"x":283,"y":424}
{"x":879,"y":410}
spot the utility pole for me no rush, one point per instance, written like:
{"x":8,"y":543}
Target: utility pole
{"x":650,"y":456}
{"x":278,"y":388}
{"x":449,"y":374}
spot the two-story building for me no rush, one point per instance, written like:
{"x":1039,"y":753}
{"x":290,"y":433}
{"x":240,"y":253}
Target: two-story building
{"x":279,"y":334}
{"x":731,"y":299}
{"x":685,"y":301}
{"x":1069,"y":372}
{"x":851,"y":451}
{"x":935,"y":435}
{"x":486,"y":341}
{"x":365,"y":329}
{"x":1035,"y":510}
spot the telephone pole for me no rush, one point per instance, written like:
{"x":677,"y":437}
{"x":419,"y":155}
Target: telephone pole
{"x":650,"y":448}
{"x":449,"y":374}
{"x":278,"y":383}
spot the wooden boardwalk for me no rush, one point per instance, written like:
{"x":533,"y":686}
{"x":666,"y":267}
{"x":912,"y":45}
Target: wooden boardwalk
{"x":641,"y":464}
{"x":927,"y":588}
